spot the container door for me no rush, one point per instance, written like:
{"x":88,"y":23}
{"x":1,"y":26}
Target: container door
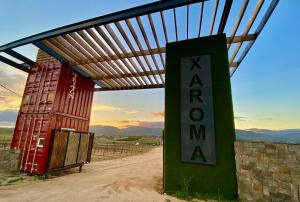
{"x":59,"y":148}
{"x":90,"y":149}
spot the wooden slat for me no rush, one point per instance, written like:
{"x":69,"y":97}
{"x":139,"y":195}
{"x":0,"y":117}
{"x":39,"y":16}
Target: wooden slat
{"x":234,"y":64}
{"x":127,"y":40}
{"x":140,"y":24}
{"x":164,"y":26}
{"x":130,"y":64}
{"x":156,"y":38}
{"x":258,"y":30}
{"x":131,"y":88}
{"x":140,"y":47}
{"x":247,"y":29}
{"x":62,"y":43}
{"x":238,"y":21}
{"x":111,"y":69}
{"x":155,"y":72}
{"x":62,"y":50}
{"x":118,"y":56}
{"x":242,"y":38}
{"x":122,"y":56}
{"x":127,"y":67}
{"x":85,"y":54}
{"x":98,"y":51}
{"x":68,"y":55}
{"x":214,"y":17}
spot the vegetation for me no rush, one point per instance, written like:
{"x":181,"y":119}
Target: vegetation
{"x":131,"y":138}
{"x":5,"y":136}
{"x":126,"y":141}
{"x":7,"y":179}
{"x":194,"y":197}
{"x":117,"y":147}
{"x":186,"y":194}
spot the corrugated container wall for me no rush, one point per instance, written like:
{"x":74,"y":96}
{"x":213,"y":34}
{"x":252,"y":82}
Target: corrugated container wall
{"x":55,"y":97}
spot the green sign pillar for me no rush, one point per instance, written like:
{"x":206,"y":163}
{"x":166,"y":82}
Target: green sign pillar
{"x":199,"y":126}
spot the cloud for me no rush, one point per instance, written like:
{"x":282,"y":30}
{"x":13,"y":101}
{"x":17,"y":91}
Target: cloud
{"x":110,"y":108}
{"x":149,"y":124}
{"x":132,"y":112}
{"x":158,"y":114}
{"x":10,"y":103}
{"x":107,"y":108}
{"x":116,"y":123}
{"x":130,"y":123}
{"x":14,"y":80}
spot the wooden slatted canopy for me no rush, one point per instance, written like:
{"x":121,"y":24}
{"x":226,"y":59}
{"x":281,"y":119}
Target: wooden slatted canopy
{"x":126,"y":49}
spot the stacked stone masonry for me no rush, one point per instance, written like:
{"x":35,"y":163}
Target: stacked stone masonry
{"x":9,"y":160}
{"x":268,"y":171}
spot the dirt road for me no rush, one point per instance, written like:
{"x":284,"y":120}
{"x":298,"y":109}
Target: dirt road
{"x":136,"y":178}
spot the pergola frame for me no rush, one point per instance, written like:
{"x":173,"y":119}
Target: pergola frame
{"x":119,"y":53}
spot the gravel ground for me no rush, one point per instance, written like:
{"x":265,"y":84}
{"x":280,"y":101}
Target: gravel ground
{"x":135,"y":178}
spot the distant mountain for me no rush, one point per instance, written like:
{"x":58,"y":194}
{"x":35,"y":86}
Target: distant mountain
{"x":254,"y":134}
{"x":101,"y":130}
{"x":275,"y":132}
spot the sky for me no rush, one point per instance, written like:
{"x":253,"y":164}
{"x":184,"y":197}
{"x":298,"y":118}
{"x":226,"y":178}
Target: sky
{"x":265,"y":88}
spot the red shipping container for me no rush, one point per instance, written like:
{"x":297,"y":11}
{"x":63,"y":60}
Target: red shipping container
{"x":55,"y":97}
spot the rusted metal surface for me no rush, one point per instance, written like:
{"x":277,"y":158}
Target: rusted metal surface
{"x":55,"y":97}
{"x":51,"y":88}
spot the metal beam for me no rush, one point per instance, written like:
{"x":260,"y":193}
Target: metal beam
{"x":225,"y":14}
{"x":142,"y":87}
{"x":91,"y":60}
{"x":51,"y":52}
{"x":102,"y":20}
{"x":135,"y":74}
{"x":14,"y":64}
{"x":19,"y":57}
{"x":118,"y":57}
{"x":260,"y":27}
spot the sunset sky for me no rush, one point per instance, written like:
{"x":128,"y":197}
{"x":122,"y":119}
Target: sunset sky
{"x":265,"y":88}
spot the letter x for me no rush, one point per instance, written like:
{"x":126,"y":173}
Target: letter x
{"x":195,"y":63}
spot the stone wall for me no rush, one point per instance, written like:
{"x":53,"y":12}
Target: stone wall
{"x":268,"y":171}
{"x":9,"y":160}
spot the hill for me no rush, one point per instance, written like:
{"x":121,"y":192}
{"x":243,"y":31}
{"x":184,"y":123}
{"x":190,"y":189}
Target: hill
{"x":254,"y":134}
{"x":101,"y":130}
